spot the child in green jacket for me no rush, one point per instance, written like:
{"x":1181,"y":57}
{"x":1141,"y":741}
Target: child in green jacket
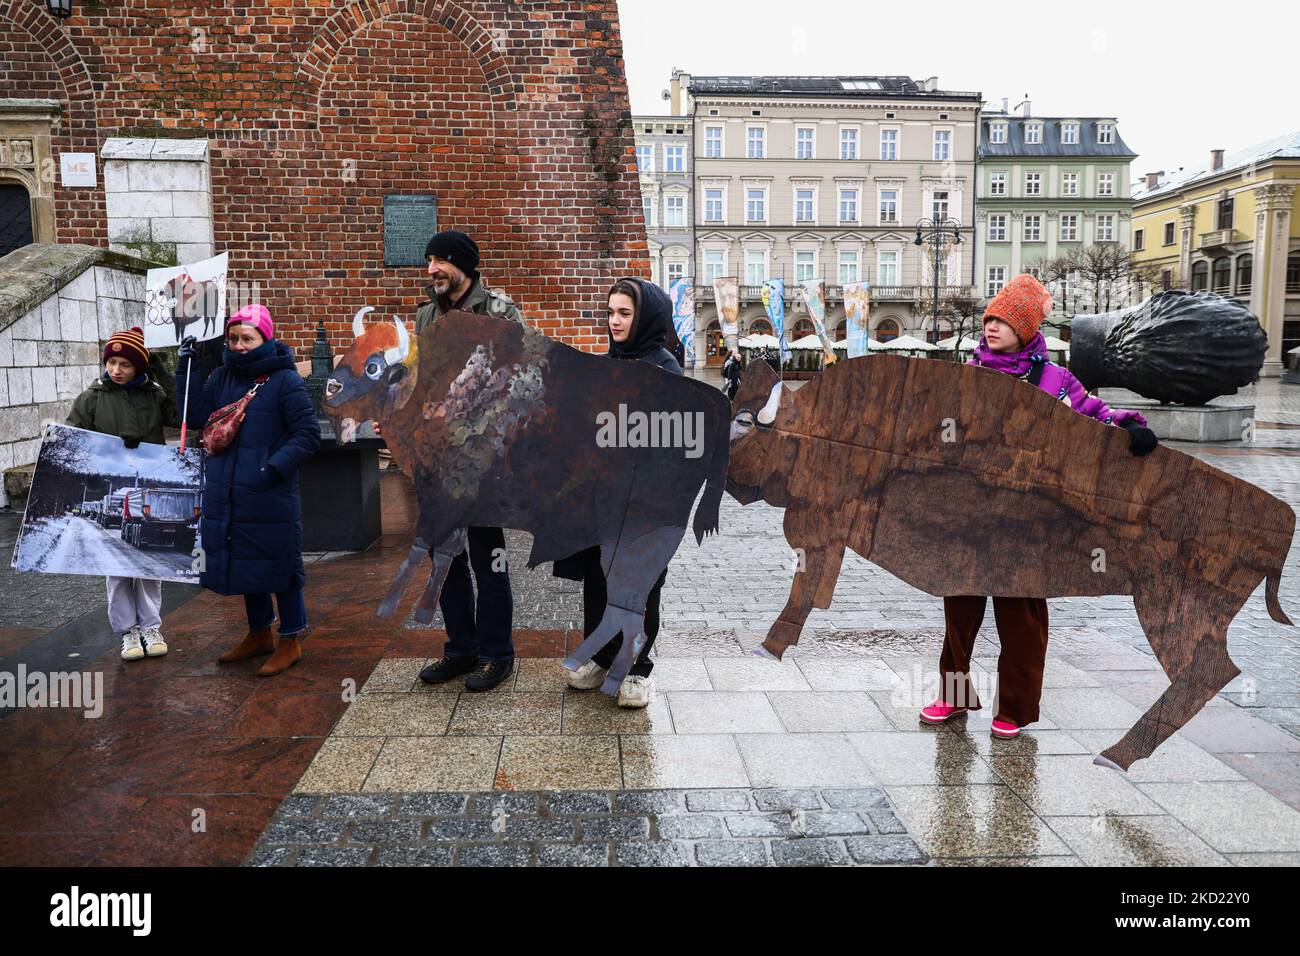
{"x":127,"y":403}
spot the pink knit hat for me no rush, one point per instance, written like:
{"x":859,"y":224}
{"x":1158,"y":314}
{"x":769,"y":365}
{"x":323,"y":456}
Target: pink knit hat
{"x":256,"y":315}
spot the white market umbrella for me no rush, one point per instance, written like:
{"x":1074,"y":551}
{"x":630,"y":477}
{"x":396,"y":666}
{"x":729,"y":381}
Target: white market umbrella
{"x":809,"y":341}
{"x":1056,"y":345}
{"x":968,"y":344}
{"x":904,"y":343}
{"x":761,"y":339}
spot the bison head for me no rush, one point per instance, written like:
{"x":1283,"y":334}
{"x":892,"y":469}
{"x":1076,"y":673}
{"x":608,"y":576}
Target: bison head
{"x":757,"y":449}
{"x":374,"y":378}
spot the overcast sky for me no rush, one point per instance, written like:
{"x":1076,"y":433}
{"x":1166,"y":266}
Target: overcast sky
{"x":1153,"y":66}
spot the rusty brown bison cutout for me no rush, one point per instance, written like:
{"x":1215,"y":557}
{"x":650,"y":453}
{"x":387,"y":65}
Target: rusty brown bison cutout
{"x":498,"y":425}
{"x":960,"y":480}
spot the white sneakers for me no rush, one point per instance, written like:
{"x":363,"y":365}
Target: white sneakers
{"x":633,"y":692}
{"x":137,"y":643}
{"x":587,"y":677}
{"x":154,"y":645}
{"x":132,"y":649}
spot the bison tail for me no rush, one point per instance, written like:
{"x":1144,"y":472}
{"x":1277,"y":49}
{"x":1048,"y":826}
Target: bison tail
{"x":1270,"y":597}
{"x":706,"y":514}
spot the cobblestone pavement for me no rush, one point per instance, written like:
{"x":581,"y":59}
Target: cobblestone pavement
{"x":589,"y":828}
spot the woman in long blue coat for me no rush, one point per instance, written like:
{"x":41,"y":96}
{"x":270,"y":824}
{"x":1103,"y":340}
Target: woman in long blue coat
{"x":252,"y":514}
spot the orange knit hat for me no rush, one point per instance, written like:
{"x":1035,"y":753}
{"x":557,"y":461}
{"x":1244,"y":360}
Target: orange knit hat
{"x":1022,"y":304}
{"x":130,"y":346}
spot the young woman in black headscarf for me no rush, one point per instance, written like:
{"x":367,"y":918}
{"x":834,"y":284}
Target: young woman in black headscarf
{"x":640,"y":328}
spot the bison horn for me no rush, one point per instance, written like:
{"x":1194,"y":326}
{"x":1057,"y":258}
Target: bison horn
{"x":397,"y":355}
{"x":767,"y":414}
{"x":358,"y":321}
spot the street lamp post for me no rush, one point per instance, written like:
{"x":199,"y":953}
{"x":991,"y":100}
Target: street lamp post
{"x":937,"y":233}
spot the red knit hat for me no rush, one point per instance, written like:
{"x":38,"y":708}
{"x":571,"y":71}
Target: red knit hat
{"x":1022,"y":304}
{"x":130,"y":346}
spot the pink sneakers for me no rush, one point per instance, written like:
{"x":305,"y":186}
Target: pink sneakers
{"x":1004,"y":729}
{"x":938,"y":712}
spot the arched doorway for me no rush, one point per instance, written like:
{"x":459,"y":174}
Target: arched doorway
{"x":760,"y":327}
{"x":715,"y":346}
{"x":15,"y":218}
{"x":801,"y":328}
{"x":841,"y":331}
{"x":887,"y":330}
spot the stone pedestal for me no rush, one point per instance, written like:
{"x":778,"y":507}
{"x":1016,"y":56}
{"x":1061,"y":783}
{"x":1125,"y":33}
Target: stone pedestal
{"x":1211,"y":422}
{"x":340,"y":495}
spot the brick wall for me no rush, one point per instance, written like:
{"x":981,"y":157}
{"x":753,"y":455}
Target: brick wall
{"x":515,"y":115}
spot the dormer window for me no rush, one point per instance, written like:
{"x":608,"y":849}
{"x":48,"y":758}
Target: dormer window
{"x":1105,"y":133}
{"x":1069,"y":134}
{"x":1033,"y":133}
{"x":998,"y":133}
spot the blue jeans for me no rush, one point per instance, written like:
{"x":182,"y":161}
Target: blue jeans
{"x":293,"y":611}
{"x":482,"y":628}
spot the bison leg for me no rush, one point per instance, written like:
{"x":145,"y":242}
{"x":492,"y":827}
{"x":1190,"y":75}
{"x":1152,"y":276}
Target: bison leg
{"x":813,"y":586}
{"x":404,"y":574}
{"x":631,"y":570}
{"x":443,"y":555}
{"x":1194,"y":678}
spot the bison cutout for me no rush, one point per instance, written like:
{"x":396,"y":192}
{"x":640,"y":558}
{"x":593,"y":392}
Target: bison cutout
{"x":499,"y":426}
{"x":962,"y":480}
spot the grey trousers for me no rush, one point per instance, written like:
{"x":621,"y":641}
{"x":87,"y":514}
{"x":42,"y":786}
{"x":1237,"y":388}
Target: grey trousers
{"x":133,"y":602}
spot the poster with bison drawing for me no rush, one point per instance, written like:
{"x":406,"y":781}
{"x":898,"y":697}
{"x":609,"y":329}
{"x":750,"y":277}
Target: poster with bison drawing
{"x":97,"y":507}
{"x":185,"y":300}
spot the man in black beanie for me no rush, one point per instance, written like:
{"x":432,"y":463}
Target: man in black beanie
{"x":454,"y":282}
{"x":479,"y":638}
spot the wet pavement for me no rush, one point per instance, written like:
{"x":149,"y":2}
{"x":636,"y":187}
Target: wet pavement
{"x":348,"y":760}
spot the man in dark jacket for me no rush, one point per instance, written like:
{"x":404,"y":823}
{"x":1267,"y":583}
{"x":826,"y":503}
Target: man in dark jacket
{"x":479,"y":635}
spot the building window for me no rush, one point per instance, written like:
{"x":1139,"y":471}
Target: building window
{"x":1139,"y":240}
{"x":645,"y":159}
{"x":1105,"y":134}
{"x":1105,"y":184}
{"x":942,"y":145}
{"x":805,"y":265}
{"x":713,"y":142}
{"x":1069,"y":134}
{"x":1033,"y":133}
{"x":848,"y":205}
{"x":1221,"y":281}
{"x":755,"y":142}
{"x":755,"y":205}
{"x":998,"y":227}
{"x":848,"y":142}
{"x":939,"y":205}
{"x":675,"y":211}
{"x":1169,"y":234}
{"x":1105,"y":227}
{"x":997,"y":184}
{"x":888,"y":206}
{"x":848,"y":266}
{"x":648,"y":210}
{"x":1245,"y":270}
{"x":997,"y":278}
{"x":1033,"y":184}
{"x":1033,"y":228}
{"x":887,"y":268}
{"x":674,"y":159}
{"x":804,"y":142}
{"x":713,"y":203}
{"x":1200,"y":276}
{"x":998,"y":133}
{"x":715,"y":264}
{"x":1069,"y":184}
{"x":1035,"y":271}
{"x":755,"y":267}
{"x":889,"y":144}
{"x":675,"y":271}
{"x":803,"y":205}
{"x":1069,"y":227}
{"x":1225,"y":213}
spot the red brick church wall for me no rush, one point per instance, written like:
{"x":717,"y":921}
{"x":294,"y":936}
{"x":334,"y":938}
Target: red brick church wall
{"x":515,"y":115}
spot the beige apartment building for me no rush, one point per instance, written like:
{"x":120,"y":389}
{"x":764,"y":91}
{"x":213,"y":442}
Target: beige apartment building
{"x":827,"y":177}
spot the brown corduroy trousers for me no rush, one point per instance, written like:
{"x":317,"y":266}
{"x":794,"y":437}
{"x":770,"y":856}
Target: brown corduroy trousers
{"x":1022,"y":630}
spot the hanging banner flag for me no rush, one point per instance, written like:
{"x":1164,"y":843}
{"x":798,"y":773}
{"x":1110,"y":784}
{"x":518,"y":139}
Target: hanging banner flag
{"x":774,"y":303}
{"x":185,"y":300}
{"x":682,"y":292}
{"x":857,"y":299}
{"x":814,"y":297}
{"x":726,"y":295}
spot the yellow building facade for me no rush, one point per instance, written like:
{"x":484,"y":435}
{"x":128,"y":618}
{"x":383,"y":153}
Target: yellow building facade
{"x":1230,"y":227}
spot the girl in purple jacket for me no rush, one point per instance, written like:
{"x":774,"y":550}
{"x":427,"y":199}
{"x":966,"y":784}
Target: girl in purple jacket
{"x":1012,"y":344}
